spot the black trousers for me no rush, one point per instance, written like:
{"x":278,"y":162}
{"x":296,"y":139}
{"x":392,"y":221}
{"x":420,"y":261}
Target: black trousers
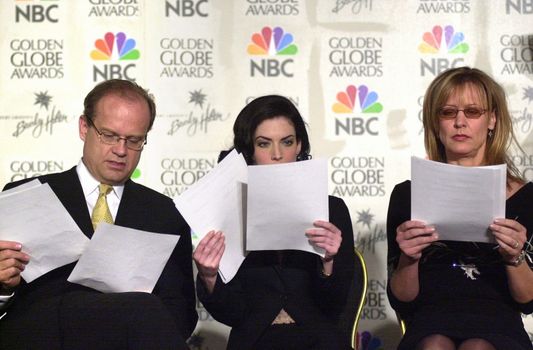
{"x":91,"y":320}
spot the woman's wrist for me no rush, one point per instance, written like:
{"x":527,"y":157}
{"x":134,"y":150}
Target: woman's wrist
{"x":209,"y":282}
{"x":517,"y":260}
{"x":209,"y":276}
{"x":407,"y":260}
{"x":327,"y":259}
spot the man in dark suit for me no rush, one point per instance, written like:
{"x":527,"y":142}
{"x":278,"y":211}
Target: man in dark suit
{"x":52,"y":313}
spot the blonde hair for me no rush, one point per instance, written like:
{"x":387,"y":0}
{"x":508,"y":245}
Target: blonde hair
{"x":493,"y":97}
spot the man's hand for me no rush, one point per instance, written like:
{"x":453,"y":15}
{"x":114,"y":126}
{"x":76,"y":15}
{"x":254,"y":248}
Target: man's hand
{"x":12,"y":262}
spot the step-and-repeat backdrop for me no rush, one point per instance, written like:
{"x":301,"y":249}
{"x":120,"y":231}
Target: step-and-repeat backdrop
{"x":356,"y":69}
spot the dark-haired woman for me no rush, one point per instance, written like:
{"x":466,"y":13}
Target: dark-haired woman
{"x":280,"y":299}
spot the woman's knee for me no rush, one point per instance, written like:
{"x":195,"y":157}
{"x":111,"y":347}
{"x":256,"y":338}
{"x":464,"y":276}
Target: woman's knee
{"x":436,"y":342}
{"x":476,"y":344}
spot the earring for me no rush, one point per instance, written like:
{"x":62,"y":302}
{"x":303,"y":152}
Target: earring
{"x":490,"y":133}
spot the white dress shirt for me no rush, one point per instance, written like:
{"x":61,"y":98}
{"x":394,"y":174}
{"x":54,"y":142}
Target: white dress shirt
{"x":90,"y":190}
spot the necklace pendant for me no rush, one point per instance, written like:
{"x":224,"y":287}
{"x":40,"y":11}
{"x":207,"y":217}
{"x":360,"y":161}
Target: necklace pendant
{"x":470,"y":271}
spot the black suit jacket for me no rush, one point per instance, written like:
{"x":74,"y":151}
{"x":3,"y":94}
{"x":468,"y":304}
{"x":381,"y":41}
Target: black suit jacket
{"x":140,"y":208}
{"x":268,"y":281}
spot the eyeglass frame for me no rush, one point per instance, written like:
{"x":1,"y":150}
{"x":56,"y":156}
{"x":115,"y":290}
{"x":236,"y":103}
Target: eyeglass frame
{"x":457,"y":110}
{"x":116,"y":137}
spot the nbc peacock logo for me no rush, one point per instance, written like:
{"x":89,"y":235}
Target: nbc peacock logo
{"x":125,"y":51}
{"x":450,"y":46}
{"x":368,"y":100}
{"x":346,"y":104}
{"x":272,"y":42}
{"x":125,"y":48}
{"x":454,"y":41}
{"x":278,"y":46}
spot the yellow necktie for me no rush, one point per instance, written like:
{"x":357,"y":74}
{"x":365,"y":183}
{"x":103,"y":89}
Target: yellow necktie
{"x":101,"y":211}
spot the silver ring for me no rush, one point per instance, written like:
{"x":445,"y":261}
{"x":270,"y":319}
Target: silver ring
{"x":515,"y":244}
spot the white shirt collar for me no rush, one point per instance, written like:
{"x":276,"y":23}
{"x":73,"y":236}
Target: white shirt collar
{"x":89,"y":184}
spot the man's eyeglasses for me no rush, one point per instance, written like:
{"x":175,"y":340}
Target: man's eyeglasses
{"x":134,"y":143}
{"x":469,"y":112}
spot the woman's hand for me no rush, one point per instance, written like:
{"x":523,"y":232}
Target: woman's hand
{"x":327,"y":236}
{"x":207,"y":257}
{"x":511,"y":236}
{"x":414,"y":236}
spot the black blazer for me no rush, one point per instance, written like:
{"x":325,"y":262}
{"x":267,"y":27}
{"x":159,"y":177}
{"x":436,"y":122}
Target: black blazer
{"x":268,"y":281}
{"x":140,"y":208}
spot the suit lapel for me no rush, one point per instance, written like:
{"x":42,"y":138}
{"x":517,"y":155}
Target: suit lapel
{"x":128,"y":203}
{"x":68,"y":189}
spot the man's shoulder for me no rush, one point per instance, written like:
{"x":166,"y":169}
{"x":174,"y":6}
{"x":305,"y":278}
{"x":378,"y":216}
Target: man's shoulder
{"x":152,"y":210}
{"x":145,"y":192}
{"x":51,"y":178}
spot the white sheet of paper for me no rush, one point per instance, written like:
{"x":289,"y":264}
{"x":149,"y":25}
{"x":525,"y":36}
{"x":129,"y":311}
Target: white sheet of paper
{"x":460,"y":201}
{"x":36,"y":218}
{"x":215,"y":203}
{"x":23,"y":187}
{"x":283,"y":201}
{"x":120,"y":259}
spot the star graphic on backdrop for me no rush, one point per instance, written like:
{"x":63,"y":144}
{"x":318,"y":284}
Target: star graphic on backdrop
{"x":528,"y":94}
{"x":197,"y":97}
{"x":42,"y":99}
{"x":365,"y":217}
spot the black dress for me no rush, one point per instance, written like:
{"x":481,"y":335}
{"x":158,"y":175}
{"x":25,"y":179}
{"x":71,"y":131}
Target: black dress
{"x":463,"y":285}
{"x":268,"y":281}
